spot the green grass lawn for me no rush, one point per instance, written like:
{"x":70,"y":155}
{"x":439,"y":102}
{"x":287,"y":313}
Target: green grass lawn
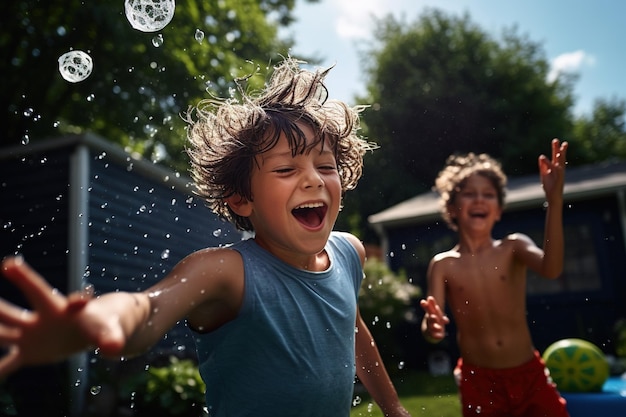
{"x":421,"y":394}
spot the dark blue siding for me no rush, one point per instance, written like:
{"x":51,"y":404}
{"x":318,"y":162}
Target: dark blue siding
{"x":139,"y":229}
{"x":140,"y":224}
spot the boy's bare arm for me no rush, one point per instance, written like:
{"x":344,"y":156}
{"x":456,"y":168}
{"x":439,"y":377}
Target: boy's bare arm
{"x":434,"y":321}
{"x":372,"y":373}
{"x":118,"y":323}
{"x":548,"y":260}
{"x":552,"y":172}
{"x":369,"y":365}
{"x":60,"y":326}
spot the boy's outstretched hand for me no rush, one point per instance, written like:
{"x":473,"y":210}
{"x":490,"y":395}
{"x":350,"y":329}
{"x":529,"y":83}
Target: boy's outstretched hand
{"x":435,"y":320}
{"x":552,"y":171}
{"x":55,"y":328}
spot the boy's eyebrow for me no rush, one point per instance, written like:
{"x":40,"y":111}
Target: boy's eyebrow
{"x":266,"y":156}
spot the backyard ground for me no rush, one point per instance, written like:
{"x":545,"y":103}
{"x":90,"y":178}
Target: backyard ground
{"x":420,"y":393}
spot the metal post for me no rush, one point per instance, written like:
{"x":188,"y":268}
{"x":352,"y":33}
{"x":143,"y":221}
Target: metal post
{"x":78,"y":260}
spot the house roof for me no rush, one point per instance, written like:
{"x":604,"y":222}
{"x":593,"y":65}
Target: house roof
{"x":580,"y":183}
{"x":98,"y":144}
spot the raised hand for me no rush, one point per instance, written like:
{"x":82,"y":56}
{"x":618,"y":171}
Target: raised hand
{"x":435,"y":319}
{"x":552,"y":171}
{"x":55,"y":328}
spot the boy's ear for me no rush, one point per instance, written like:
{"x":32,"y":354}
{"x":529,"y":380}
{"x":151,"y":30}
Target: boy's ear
{"x":240,"y":205}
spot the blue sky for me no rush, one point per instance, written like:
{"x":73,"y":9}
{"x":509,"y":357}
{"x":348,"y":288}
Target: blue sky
{"x":581,"y":36}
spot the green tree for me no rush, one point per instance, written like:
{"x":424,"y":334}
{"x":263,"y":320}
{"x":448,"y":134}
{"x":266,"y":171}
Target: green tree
{"x":138,"y":88}
{"x":602,"y":135}
{"x":441,"y":85}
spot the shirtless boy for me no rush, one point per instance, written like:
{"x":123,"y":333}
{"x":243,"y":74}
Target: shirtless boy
{"x":499,"y":373}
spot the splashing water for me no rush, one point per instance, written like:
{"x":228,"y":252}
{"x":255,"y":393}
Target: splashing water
{"x":149,"y":15}
{"x":75,"y":66}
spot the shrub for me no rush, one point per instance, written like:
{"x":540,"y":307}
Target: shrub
{"x":385,"y":301}
{"x":386,"y":295}
{"x":175,"y":389}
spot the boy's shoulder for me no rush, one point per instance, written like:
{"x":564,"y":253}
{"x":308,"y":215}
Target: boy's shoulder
{"x":517,"y":237}
{"x":353,"y":240}
{"x":447,"y":255}
{"x":224,"y":255}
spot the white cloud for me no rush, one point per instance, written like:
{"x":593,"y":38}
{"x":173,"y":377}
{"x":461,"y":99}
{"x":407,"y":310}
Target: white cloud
{"x":354,"y":19}
{"x":570,"y":62}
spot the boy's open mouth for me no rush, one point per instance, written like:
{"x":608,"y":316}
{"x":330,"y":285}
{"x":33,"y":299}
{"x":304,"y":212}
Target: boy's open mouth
{"x":478,"y":215}
{"x":310,"y":215}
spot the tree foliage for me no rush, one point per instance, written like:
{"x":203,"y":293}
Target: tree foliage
{"x":138,"y":89}
{"x":441,"y":85}
{"x":602,"y":135}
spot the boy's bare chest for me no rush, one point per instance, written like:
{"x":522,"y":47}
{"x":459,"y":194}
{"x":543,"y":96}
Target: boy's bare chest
{"x":494,"y":266}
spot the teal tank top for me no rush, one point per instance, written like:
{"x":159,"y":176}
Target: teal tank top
{"x":290,"y":351}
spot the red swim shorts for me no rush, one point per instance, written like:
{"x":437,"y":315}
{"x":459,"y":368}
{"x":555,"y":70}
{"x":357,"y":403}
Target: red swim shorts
{"x":526,"y":390}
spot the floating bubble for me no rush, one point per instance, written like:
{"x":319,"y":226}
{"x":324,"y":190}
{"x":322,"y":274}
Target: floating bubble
{"x":149,"y":15}
{"x":157,"y":41}
{"x":199,"y":36}
{"x":75,"y":66}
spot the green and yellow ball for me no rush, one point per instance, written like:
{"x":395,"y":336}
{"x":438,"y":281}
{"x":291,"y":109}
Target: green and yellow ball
{"x":576,"y":365}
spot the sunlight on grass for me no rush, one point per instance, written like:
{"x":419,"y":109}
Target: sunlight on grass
{"x":446,"y":405}
{"x":421,"y":394}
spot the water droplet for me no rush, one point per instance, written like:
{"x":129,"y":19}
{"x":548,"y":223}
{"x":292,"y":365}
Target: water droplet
{"x":217,"y":232}
{"x":157,"y":41}
{"x":95,"y":390}
{"x":165,"y":254}
{"x":199,"y":36}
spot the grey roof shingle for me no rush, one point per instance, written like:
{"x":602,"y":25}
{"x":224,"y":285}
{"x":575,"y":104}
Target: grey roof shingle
{"x":580,"y":182}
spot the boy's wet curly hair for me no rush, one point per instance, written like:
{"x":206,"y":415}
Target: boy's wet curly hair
{"x":225,"y":136}
{"x":457,"y":169}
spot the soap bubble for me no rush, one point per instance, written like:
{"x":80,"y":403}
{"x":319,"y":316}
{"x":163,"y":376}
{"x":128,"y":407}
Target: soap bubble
{"x":75,"y":66}
{"x":149,"y":15}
